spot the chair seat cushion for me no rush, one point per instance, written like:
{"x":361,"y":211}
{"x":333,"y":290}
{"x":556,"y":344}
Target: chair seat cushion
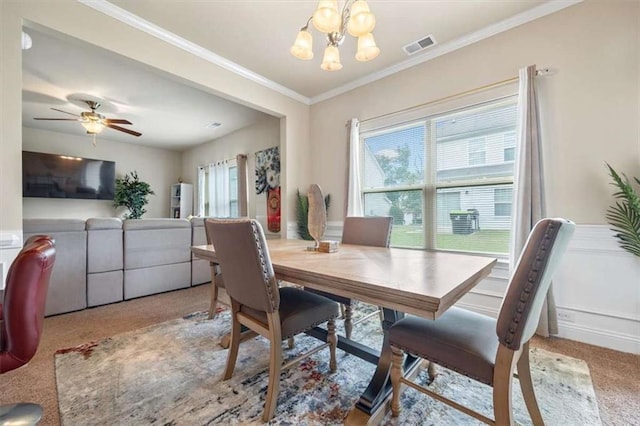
{"x":299,"y":311}
{"x":460,"y":340}
{"x":339,"y":299}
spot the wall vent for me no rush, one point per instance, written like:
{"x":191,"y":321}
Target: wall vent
{"x":419,"y":45}
{"x":214,"y":125}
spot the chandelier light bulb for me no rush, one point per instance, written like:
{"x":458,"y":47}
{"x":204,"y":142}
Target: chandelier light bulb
{"x":367,"y":49}
{"x":326,"y":18}
{"x":331,"y":60}
{"x":362,"y":21}
{"x":303,"y":46}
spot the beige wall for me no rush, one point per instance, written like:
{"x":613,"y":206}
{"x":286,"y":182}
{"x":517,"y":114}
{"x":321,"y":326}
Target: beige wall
{"x":158,"y":167}
{"x":264,"y":134}
{"x":76,"y":20}
{"x":590,"y":103}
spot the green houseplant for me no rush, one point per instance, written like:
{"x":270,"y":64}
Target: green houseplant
{"x":302,"y":213}
{"x":624,"y":215}
{"x":132,"y":193}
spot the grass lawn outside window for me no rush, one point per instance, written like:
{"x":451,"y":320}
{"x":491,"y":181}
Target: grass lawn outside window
{"x":483,"y":241}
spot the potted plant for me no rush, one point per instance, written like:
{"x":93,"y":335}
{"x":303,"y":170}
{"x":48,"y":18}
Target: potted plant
{"x":132,"y":193}
{"x":624,"y":215}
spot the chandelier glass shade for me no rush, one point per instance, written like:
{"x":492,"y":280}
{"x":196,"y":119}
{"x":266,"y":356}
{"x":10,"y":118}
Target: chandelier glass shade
{"x":356,"y":18}
{"x":92,"y":122}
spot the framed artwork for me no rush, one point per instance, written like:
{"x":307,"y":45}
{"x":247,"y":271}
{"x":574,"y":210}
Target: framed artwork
{"x":268,"y":181}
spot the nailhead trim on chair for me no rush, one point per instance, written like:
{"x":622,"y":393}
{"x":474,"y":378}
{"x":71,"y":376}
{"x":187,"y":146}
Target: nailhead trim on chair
{"x":533,"y":280}
{"x":263,"y":263}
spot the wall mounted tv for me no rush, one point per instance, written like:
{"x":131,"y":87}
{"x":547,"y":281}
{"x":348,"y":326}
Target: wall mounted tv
{"x":62,"y":176}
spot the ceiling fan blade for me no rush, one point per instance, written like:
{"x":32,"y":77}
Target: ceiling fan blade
{"x":59,"y":110}
{"x":60,"y":119}
{"x":117,"y":121}
{"x":122,"y":129}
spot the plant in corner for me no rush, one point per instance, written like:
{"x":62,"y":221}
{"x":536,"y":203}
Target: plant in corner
{"x":624,"y":215}
{"x":132,"y":193}
{"x":302,"y":214}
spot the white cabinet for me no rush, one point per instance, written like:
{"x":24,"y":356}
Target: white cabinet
{"x":181,"y":200}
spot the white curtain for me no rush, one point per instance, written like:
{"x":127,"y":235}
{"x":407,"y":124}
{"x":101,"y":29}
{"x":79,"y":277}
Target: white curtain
{"x":201,"y":190}
{"x":529,"y":197}
{"x":219,"y":188}
{"x":354,"y":196}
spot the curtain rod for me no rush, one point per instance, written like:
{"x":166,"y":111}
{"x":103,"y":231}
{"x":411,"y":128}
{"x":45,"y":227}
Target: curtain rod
{"x":540,"y":72}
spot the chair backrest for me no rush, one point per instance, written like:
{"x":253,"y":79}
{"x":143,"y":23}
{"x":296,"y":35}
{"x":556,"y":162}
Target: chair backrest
{"x":522,"y":304}
{"x":25,"y":295}
{"x":367,"y":231}
{"x":244,"y":260}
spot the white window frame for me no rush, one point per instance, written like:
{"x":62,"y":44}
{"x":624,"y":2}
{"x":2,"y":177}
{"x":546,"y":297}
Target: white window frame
{"x":508,"y":96}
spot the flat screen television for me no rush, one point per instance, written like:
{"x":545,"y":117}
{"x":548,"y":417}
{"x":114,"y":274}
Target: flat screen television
{"x":63,"y":176}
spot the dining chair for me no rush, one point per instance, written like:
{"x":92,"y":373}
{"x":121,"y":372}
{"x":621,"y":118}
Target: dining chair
{"x":259,"y":304}
{"x":217,"y":281}
{"x":22,"y":307}
{"x":365,"y":231}
{"x":483,"y":348}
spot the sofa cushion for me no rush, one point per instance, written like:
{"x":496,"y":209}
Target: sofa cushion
{"x":44,"y":226}
{"x":101,"y":223}
{"x":139,"y":224}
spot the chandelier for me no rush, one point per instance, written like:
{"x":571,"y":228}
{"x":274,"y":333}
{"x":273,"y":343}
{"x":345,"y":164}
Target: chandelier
{"x":355,"y":18}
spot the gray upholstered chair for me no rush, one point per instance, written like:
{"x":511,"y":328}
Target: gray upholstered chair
{"x":364,"y":231}
{"x":480,"y":347}
{"x":258,"y":303}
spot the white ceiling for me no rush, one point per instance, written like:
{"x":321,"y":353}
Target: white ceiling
{"x":255,"y":36}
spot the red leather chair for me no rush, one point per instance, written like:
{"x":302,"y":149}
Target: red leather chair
{"x":21,"y":317}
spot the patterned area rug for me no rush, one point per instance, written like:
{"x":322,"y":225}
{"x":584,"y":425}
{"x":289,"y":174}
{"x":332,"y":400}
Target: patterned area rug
{"x":170,"y":374}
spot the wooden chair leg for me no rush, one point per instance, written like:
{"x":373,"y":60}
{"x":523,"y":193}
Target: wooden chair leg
{"x":275,"y":366}
{"x":332,"y":339}
{"x":214,"y":295}
{"x":348,"y":323}
{"x":526,"y":384}
{"x":397,"y":357}
{"x":232,"y":356}
{"x":502,"y":381}
{"x":291,"y":342}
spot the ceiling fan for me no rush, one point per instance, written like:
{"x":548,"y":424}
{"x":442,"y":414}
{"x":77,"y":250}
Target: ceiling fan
{"x":94,"y":122}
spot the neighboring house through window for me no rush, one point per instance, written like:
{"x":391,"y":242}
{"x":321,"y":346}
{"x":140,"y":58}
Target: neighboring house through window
{"x":445,"y":178}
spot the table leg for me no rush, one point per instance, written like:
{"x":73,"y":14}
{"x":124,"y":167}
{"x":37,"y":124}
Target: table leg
{"x":379,"y":389}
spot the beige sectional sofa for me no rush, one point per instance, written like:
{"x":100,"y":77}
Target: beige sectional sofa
{"x":106,"y":260}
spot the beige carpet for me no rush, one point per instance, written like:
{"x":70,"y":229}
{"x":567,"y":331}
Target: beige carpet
{"x":615,"y":375}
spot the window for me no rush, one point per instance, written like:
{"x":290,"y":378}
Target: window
{"x":218,"y":189}
{"x":477,"y":154}
{"x":446,"y":179}
{"x":502,"y":200}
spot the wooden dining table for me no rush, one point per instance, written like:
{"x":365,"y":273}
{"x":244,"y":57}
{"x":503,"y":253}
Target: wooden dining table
{"x":401,"y":281}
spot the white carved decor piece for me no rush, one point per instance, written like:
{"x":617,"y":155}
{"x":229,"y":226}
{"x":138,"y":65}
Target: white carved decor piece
{"x":317,"y":218}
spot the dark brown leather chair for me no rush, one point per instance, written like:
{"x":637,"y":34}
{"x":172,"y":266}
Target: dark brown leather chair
{"x":258,"y":303}
{"x":364,"y":231}
{"x":480,"y":347}
{"x":21,"y":317}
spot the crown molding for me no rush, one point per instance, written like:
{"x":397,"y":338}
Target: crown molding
{"x":544,"y":9}
{"x":137,"y":22}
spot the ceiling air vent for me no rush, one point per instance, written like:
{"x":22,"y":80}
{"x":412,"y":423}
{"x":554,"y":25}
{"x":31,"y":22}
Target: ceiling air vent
{"x":214,"y":125}
{"x":419,"y":45}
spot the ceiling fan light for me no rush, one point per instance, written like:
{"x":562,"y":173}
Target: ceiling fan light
{"x":302,"y":48}
{"x":362,"y":21}
{"x":331,"y":60}
{"x":326,"y":18}
{"x":92,"y":126}
{"x":367,"y":49}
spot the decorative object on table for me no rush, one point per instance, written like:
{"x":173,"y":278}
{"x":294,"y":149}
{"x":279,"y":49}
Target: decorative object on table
{"x":268,"y":180}
{"x":132,"y":193}
{"x":624,"y":216}
{"x":356,"y":18}
{"x":317,"y":222}
{"x":328,"y":246}
{"x":192,"y":373}
{"x":302,"y":214}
